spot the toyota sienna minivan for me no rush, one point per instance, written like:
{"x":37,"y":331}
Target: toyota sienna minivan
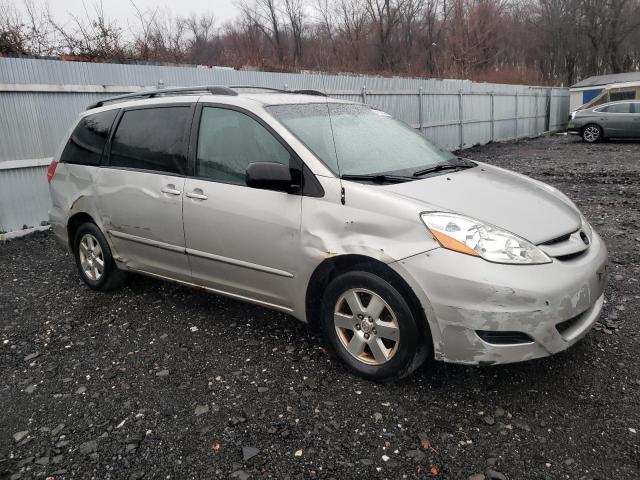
{"x":332,"y":212}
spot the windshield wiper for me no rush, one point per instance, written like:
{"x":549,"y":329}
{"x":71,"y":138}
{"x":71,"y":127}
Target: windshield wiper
{"x":377,"y":178}
{"x":444,"y":166}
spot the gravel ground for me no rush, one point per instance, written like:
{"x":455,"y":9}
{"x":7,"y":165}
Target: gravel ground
{"x":160,"y":381}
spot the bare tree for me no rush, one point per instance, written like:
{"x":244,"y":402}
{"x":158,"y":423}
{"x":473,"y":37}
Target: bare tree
{"x":265,"y":15}
{"x":294,"y":10}
{"x":385,"y":17}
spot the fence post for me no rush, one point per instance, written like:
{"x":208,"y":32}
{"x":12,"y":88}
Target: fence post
{"x":537,"y":130}
{"x":516,"y":135}
{"x":548,"y":115}
{"x":492,"y":96}
{"x":460,"y":117}
{"x":364,"y":94}
{"x":420,"y":113}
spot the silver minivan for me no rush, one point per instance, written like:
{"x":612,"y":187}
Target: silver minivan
{"x":332,"y":212}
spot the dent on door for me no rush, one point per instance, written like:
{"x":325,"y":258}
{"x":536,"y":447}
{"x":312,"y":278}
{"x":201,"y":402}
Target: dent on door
{"x":243,"y":242}
{"x":142,"y":214}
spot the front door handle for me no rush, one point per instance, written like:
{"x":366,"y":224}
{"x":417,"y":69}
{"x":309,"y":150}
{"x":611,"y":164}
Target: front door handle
{"x":171,"y":190}
{"x":197,"y":194}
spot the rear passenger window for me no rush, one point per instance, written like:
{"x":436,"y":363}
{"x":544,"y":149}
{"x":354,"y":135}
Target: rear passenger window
{"x":229,"y":141}
{"x":88,"y":139}
{"x":619,"y":108}
{"x":152,"y":139}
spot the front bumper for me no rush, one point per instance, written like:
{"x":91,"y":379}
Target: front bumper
{"x":573,"y":128}
{"x":464,"y":295}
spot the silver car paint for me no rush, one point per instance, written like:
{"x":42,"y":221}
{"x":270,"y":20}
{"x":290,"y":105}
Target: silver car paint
{"x":612,"y":124}
{"x":272,"y":265}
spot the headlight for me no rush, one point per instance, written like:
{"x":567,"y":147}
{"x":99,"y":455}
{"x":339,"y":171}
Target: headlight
{"x":473,"y":237}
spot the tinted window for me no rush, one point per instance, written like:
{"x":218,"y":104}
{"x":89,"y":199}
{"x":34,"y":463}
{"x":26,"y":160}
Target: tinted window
{"x":88,"y":139}
{"x":152,"y":139}
{"x":229,"y":141}
{"x":618,"y":108}
{"x":636,"y":107}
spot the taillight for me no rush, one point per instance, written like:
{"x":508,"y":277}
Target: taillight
{"x":51,"y":171}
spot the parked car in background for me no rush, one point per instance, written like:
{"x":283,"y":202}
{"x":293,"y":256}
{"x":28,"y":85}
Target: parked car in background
{"x":611,"y":120}
{"x":334,"y":213}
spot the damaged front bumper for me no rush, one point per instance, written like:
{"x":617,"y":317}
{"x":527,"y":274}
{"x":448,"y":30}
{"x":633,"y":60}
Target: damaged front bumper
{"x":485,"y":313}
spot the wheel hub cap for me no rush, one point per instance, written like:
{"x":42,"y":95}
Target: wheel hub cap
{"x":91,"y":257}
{"x":366,"y":326}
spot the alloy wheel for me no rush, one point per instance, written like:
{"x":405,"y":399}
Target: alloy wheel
{"x":91,"y":257}
{"x":591,"y":134}
{"x":366,"y":326}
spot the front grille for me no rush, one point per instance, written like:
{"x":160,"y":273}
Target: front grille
{"x":554,"y":241}
{"x":503,"y":338}
{"x":571,"y":256}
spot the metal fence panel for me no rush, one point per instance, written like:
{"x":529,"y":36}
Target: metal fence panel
{"x":40,"y":99}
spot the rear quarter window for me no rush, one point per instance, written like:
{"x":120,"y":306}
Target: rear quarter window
{"x":88,"y":139}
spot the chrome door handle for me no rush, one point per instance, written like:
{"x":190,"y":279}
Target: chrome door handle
{"x":170,"y":190}
{"x":197,"y":194}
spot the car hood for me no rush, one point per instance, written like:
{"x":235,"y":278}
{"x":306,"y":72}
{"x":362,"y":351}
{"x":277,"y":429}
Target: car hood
{"x":521,"y":205}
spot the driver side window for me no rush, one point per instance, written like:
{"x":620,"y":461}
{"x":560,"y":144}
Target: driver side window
{"x":228,"y":141}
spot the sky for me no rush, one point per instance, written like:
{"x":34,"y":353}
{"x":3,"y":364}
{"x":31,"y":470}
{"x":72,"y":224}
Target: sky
{"x":123,"y":11}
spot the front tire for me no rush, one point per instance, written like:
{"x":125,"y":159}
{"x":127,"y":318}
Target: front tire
{"x":371,"y":328}
{"x":94,"y":260}
{"x":592,"y":133}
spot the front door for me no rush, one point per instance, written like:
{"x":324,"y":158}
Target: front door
{"x":141,"y":187}
{"x":240,"y":241}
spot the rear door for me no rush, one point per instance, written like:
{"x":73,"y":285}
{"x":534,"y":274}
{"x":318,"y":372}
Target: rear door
{"x":617,"y":119}
{"x":140,"y":189}
{"x":240,"y":241}
{"x":635,"y":125}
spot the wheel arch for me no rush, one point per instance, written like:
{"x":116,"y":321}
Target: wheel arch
{"x":334,"y":266}
{"x":74,"y":223}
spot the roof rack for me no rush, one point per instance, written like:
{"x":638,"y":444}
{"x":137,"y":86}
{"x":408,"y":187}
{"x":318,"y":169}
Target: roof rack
{"x":279,"y":90}
{"x":310,"y":92}
{"x":214,"y":90}
{"x":253,"y":87}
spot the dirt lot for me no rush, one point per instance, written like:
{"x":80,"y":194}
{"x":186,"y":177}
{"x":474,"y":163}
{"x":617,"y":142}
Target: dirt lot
{"x":159,"y":381}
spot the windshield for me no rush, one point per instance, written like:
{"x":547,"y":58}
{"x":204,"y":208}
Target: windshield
{"x":366,"y":141}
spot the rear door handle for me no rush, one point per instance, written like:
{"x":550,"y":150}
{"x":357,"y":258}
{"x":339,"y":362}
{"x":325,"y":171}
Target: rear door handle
{"x":197,"y":194}
{"x":171,"y":190}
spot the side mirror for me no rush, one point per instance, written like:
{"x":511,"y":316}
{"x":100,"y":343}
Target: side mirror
{"x":269,"y":176}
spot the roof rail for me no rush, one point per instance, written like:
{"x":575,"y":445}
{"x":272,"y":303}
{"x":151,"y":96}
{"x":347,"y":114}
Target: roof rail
{"x":279,"y":90}
{"x":214,"y":90}
{"x":310,"y":92}
{"x":253,"y":87}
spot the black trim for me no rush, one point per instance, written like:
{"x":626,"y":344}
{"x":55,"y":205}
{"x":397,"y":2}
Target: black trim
{"x":212,"y":89}
{"x":496,"y":337}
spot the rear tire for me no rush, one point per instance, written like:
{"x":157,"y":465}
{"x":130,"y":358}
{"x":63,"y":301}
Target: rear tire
{"x":94,"y":260}
{"x":592,"y":133}
{"x":371,"y":328}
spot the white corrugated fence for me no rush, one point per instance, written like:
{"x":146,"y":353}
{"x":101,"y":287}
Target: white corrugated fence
{"x":40,"y":100}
